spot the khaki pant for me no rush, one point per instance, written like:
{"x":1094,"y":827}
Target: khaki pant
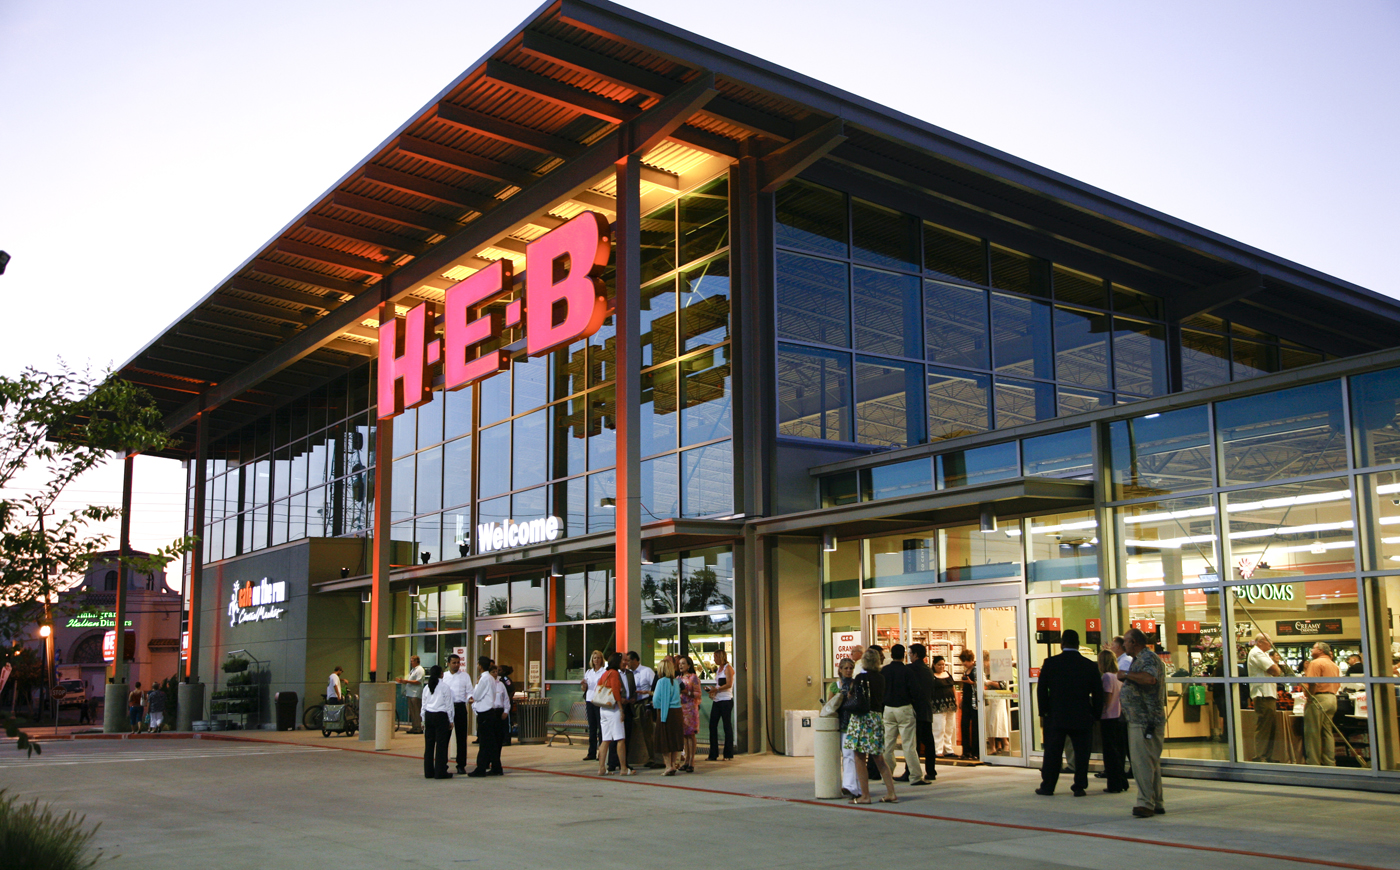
{"x":1319,"y":740}
{"x":900,"y":721}
{"x":1265,"y":727}
{"x":1147,"y":765}
{"x":415,"y":715}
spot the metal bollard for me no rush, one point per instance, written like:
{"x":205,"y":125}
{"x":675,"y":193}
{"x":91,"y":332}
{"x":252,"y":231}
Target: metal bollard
{"x":384,"y":727}
{"x":827,"y":752}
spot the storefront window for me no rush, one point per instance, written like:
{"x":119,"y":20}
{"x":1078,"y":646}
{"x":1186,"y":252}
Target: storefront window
{"x":1167,"y":542}
{"x":704,"y":304}
{"x":1064,"y":552}
{"x":707,"y":581}
{"x":494,"y":461}
{"x":661,"y":493}
{"x":660,"y":582}
{"x":1081,"y":347}
{"x":1205,"y":360}
{"x":430,"y":420}
{"x":602,"y":502}
{"x":811,"y":217}
{"x":1374,"y":401}
{"x":958,"y":403}
{"x":901,"y":560}
{"x":889,"y":313}
{"x":1300,"y":528}
{"x":1383,"y":597}
{"x":969,"y":554}
{"x":567,"y":659}
{"x":706,"y":397}
{"x":1022,"y":402}
{"x":707,"y":479}
{"x":1287,"y":433}
{"x":955,"y":325}
{"x":1160,"y":453}
{"x":457,"y":472}
{"x":900,"y":479}
{"x":841,"y":575}
{"x":814,"y":300}
{"x":978,"y":465}
{"x":1061,"y":454}
{"x":1021,"y":337}
{"x":889,"y":402}
{"x":1139,"y":357}
{"x":602,"y":596}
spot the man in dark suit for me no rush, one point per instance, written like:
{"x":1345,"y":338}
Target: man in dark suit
{"x":1070,"y":697}
{"x":921,"y":690}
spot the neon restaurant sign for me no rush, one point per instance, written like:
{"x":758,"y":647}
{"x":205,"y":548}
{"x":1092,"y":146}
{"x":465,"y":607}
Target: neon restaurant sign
{"x":564,"y":301}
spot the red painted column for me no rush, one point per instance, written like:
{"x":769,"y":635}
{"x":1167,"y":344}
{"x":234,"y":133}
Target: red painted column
{"x":627,"y":231}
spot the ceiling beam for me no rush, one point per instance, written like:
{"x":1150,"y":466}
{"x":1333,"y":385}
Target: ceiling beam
{"x":213,"y":350}
{"x":578,"y":59}
{"x":704,"y":140}
{"x":752,"y":120}
{"x":453,"y":158}
{"x":161,"y":381}
{"x":284,"y":294}
{"x":596,"y":200}
{"x":505,"y":131}
{"x":276,"y":332}
{"x":389,"y":242}
{"x":388,"y":211}
{"x":1201,"y":300}
{"x":428,"y":189}
{"x":559,"y":94}
{"x":332,"y":257}
{"x":506,"y":243}
{"x":660,"y":178}
{"x":307,"y":276}
{"x":353,"y":348}
{"x":786,"y":162}
{"x":262,"y":309}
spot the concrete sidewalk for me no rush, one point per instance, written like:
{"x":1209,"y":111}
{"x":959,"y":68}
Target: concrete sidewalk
{"x":1206,"y":819}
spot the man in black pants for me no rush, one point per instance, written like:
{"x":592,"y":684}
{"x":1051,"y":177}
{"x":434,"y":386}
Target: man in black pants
{"x":460,"y":683}
{"x":968,"y":705}
{"x":1070,"y":698}
{"x":921,"y":692}
{"x":489,"y":724}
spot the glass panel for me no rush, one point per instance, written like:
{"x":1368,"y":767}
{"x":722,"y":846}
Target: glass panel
{"x":978,"y":465}
{"x":1046,"y":619}
{"x":884,"y":236}
{"x":1001,"y":681}
{"x":602,"y":501}
{"x":1064,"y":552}
{"x":1205,"y":360}
{"x":1167,"y":542}
{"x":1284,"y":531}
{"x":262,"y":480}
{"x":1062,"y":454}
{"x":428,"y":531}
{"x":403,"y":483}
{"x":565,"y":660}
{"x":705,"y":414}
{"x":955,"y":325}
{"x":298,"y":466}
{"x":1380,"y":513}
{"x":1021,"y":402}
{"x":1374,"y":400}
{"x":889,"y":403}
{"x":707,"y":582}
{"x":569,"y":366}
{"x":429,"y":487}
{"x":704,"y":301}
{"x":493,"y":600}
{"x":457,"y":473}
{"x":527,"y":596}
{"x":1079,"y":288}
{"x":969,"y":554}
{"x":1139,"y":357}
{"x":812,"y":217}
{"x":1252,"y":359}
{"x":814,"y":389}
{"x":1185,"y":626}
{"x":1289,"y":433}
{"x":494,"y":461}
{"x":566,"y":597}
{"x":1383,"y":597}
{"x":569,"y":502}
{"x":839,"y":489}
{"x":405,"y":425}
{"x":315,"y":466}
{"x":658,"y":322}
{"x":495,"y":398}
{"x":531,"y":449}
{"x":496,"y":510}
{"x":1076,"y":400}
{"x":567,"y":444}
{"x":659,"y":638}
{"x":457,"y":413}
{"x":659,"y":407}
{"x":602,"y":427}
{"x":958,"y":403}
{"x":602,"y":594}
{"x":1013,"y":270}
{"x":403,"y":548}
{"x":453,"y":602}
{"x":707,"y":475}
{"x":814,"y":300}
{"x":889,"y":313}
{"x":658,"y":252}
{"x":841,"y":574}
{"x":1021,"y":336}
{"x":1081,"y":347}
{"x":901,"y":560}
{"x":901,"y":478}
{"x":660,"y":586}
{"x":704,"y":220}
{"x":1160,"y":453}
{"x":530,"y":380}
{"x":1293,"y":357}
{"x":1135,"y":304}
{"x":951,"y":254}
{"x":430,"y":420}
{"x":661,"y":496}
{"x":457,"y":534}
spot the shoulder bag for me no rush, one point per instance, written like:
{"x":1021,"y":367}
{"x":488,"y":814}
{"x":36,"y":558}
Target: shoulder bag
{"x":603,"y":697}
{"x":858,"y":699}
{"x":832,"y":707}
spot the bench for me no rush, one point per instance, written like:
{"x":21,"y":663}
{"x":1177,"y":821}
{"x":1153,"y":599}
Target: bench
{"x":577,"y":721}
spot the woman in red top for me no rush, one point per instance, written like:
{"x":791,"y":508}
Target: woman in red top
{"x":610,"y":717}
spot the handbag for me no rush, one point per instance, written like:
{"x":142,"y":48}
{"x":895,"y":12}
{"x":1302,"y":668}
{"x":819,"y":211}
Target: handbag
{"x":1196,"y":695}
{"x":832,"y":707}
{"x":603,"y":697}
{"x":858,"y":699}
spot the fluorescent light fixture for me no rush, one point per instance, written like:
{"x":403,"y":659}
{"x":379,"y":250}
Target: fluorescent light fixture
{"x":828,"y":542}
{"x":366,"y":596}
{"x":1318,"y":548}
{"x":556,"y":566}
{"x":988,"y":519}
{"x":607,"y":502}
{"x":1151,"y":416}
{"x":647,"y":558}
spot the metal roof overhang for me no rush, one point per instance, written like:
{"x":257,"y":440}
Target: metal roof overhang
{"x":1016,"y":497}
{"x":517,"y":142}
{"x":672,"y":534}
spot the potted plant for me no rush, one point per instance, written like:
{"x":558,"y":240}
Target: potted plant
{"x":235,"y":665}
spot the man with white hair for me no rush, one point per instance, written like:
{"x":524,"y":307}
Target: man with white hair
{"x":1319,"y":734}
{"x":1263,"y":697}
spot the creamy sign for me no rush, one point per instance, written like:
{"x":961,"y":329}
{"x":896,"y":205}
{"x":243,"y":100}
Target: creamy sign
{"x":252,"y":602}
{"x":504,"y":536}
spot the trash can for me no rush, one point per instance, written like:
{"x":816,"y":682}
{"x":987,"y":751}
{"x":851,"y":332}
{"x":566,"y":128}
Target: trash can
{"x":530,"y":716}
{"x":286,"y":711}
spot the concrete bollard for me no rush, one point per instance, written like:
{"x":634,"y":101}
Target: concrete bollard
{"x":189,"y":705}
{"x":827,"y":752}
{"x":371,"y":696}
{"x":383,"y":725}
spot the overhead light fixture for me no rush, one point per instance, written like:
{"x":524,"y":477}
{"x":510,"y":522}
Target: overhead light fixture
{"x":828,"y":542}
{"x":556,"y":566}
{"x":607,"y":502}
{"x":646,"y":553}
{"x":365,"y":597}
{"x":413,"y":591}
{"x":988,"y":518}
{"x":1318,"y":548}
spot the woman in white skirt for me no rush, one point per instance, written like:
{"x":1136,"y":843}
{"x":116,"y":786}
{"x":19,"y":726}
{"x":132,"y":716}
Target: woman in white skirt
{"x":611,"y":726}
{"x":998,"y":712}
{"x":945,"y":709}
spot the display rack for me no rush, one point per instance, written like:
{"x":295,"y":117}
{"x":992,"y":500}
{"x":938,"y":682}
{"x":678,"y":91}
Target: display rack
{"x":238,"y":706}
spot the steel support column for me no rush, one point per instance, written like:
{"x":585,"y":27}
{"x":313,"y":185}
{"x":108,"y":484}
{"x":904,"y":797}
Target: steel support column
{"x":380,"y":604}
{"x":192,"y":593}
{"x":119,"y":669}
{"x":628,"y":559}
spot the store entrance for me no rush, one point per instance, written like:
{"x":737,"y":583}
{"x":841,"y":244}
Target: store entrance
{"x":986,"y":725}
{"x":516,"y":643}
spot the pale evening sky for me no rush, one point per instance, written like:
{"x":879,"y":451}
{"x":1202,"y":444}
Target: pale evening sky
{"x":150,"y":147}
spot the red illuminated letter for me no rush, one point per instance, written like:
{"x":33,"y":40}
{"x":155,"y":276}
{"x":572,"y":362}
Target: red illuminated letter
{"x":561,"y":311}
{"x":404,"y":380}
{"x":460,"y":335}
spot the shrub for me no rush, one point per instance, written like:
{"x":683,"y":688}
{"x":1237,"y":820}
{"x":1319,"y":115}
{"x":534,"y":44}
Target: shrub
{"x":235,"y":664}
{"x":36,"y":837}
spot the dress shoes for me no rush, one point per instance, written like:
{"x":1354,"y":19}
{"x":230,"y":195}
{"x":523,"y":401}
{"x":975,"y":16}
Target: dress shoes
{"x":443,"y":776}
{"x":1114,"y":790}
{"x":1160,"y":811}
{"x":1078,"y":792}
{"x":654,"y":765}
{"x":1142,"y":812}
{"x":590,"y":758}
{"x":476,"y":773}
{"x":1043,"y":792}
{"x":903,"y":777}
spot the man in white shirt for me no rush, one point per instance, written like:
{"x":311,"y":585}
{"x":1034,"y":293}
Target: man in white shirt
{"x":413,"y":691}
{"x":1263,"y":697}
{"x":492,"y":708}
{"x":645,"y":679}
{"x":335,"y":686}
{"x":459,"y":682}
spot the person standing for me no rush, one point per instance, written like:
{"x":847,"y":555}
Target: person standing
{"x":1070,"y":698}
{"x":155,"y":708}
{"x":1125,"y":661}
{"x":438,"y":724}
{"x":335,"y":686}
{"x":503,"y":676}
{"x":898,"y":717}
{"x":1112,"y":731}
{"x":921,"y":689}
{"x":489,"y":720}
{"x":459,"y":683}
{"x":589,"y":683}
{"x":1319,"y":706}
{"x":1263,"y":697}
{"x":133,"y":708}
{"x":643,"y":719}
{"x":690,"y":689}
{"x":1144,"y":701}
{"x":968,"y":704}
{"x":612,"y":731}
{"x":945,"y":709}
{"x":666,"y":702}
{"x":413,"y":691}
{"x":845,"y":675}
{"x":722,"y":706}
{"x":865,"y":731}
{"x":998,"y":710}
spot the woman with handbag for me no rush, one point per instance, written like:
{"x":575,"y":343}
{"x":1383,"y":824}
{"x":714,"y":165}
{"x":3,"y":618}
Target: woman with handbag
{"x":689,"y":683}
{"x":865,"y":731}
{"x":609,"y":697}
{"x":845,"y":674}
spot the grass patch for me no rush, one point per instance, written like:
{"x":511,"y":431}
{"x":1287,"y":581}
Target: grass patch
{"x":36,"y":837}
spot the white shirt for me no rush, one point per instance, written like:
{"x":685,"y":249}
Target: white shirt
{"x":645,"y":678}
{"x":484,"y":694}
{"x":415,"y":689}
{"x":1125,"y":662}
{"x":501,"y":697}
{"x":590,"y":677}
{"x":333,"y":687}
{"x":460,"y":684}
{"x":725,"y":692}
{"x":1258,"y":663}
{"x":439,"y":701}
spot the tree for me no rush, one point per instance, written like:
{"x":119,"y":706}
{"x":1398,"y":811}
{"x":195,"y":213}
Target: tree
{"x":63,"y":424}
